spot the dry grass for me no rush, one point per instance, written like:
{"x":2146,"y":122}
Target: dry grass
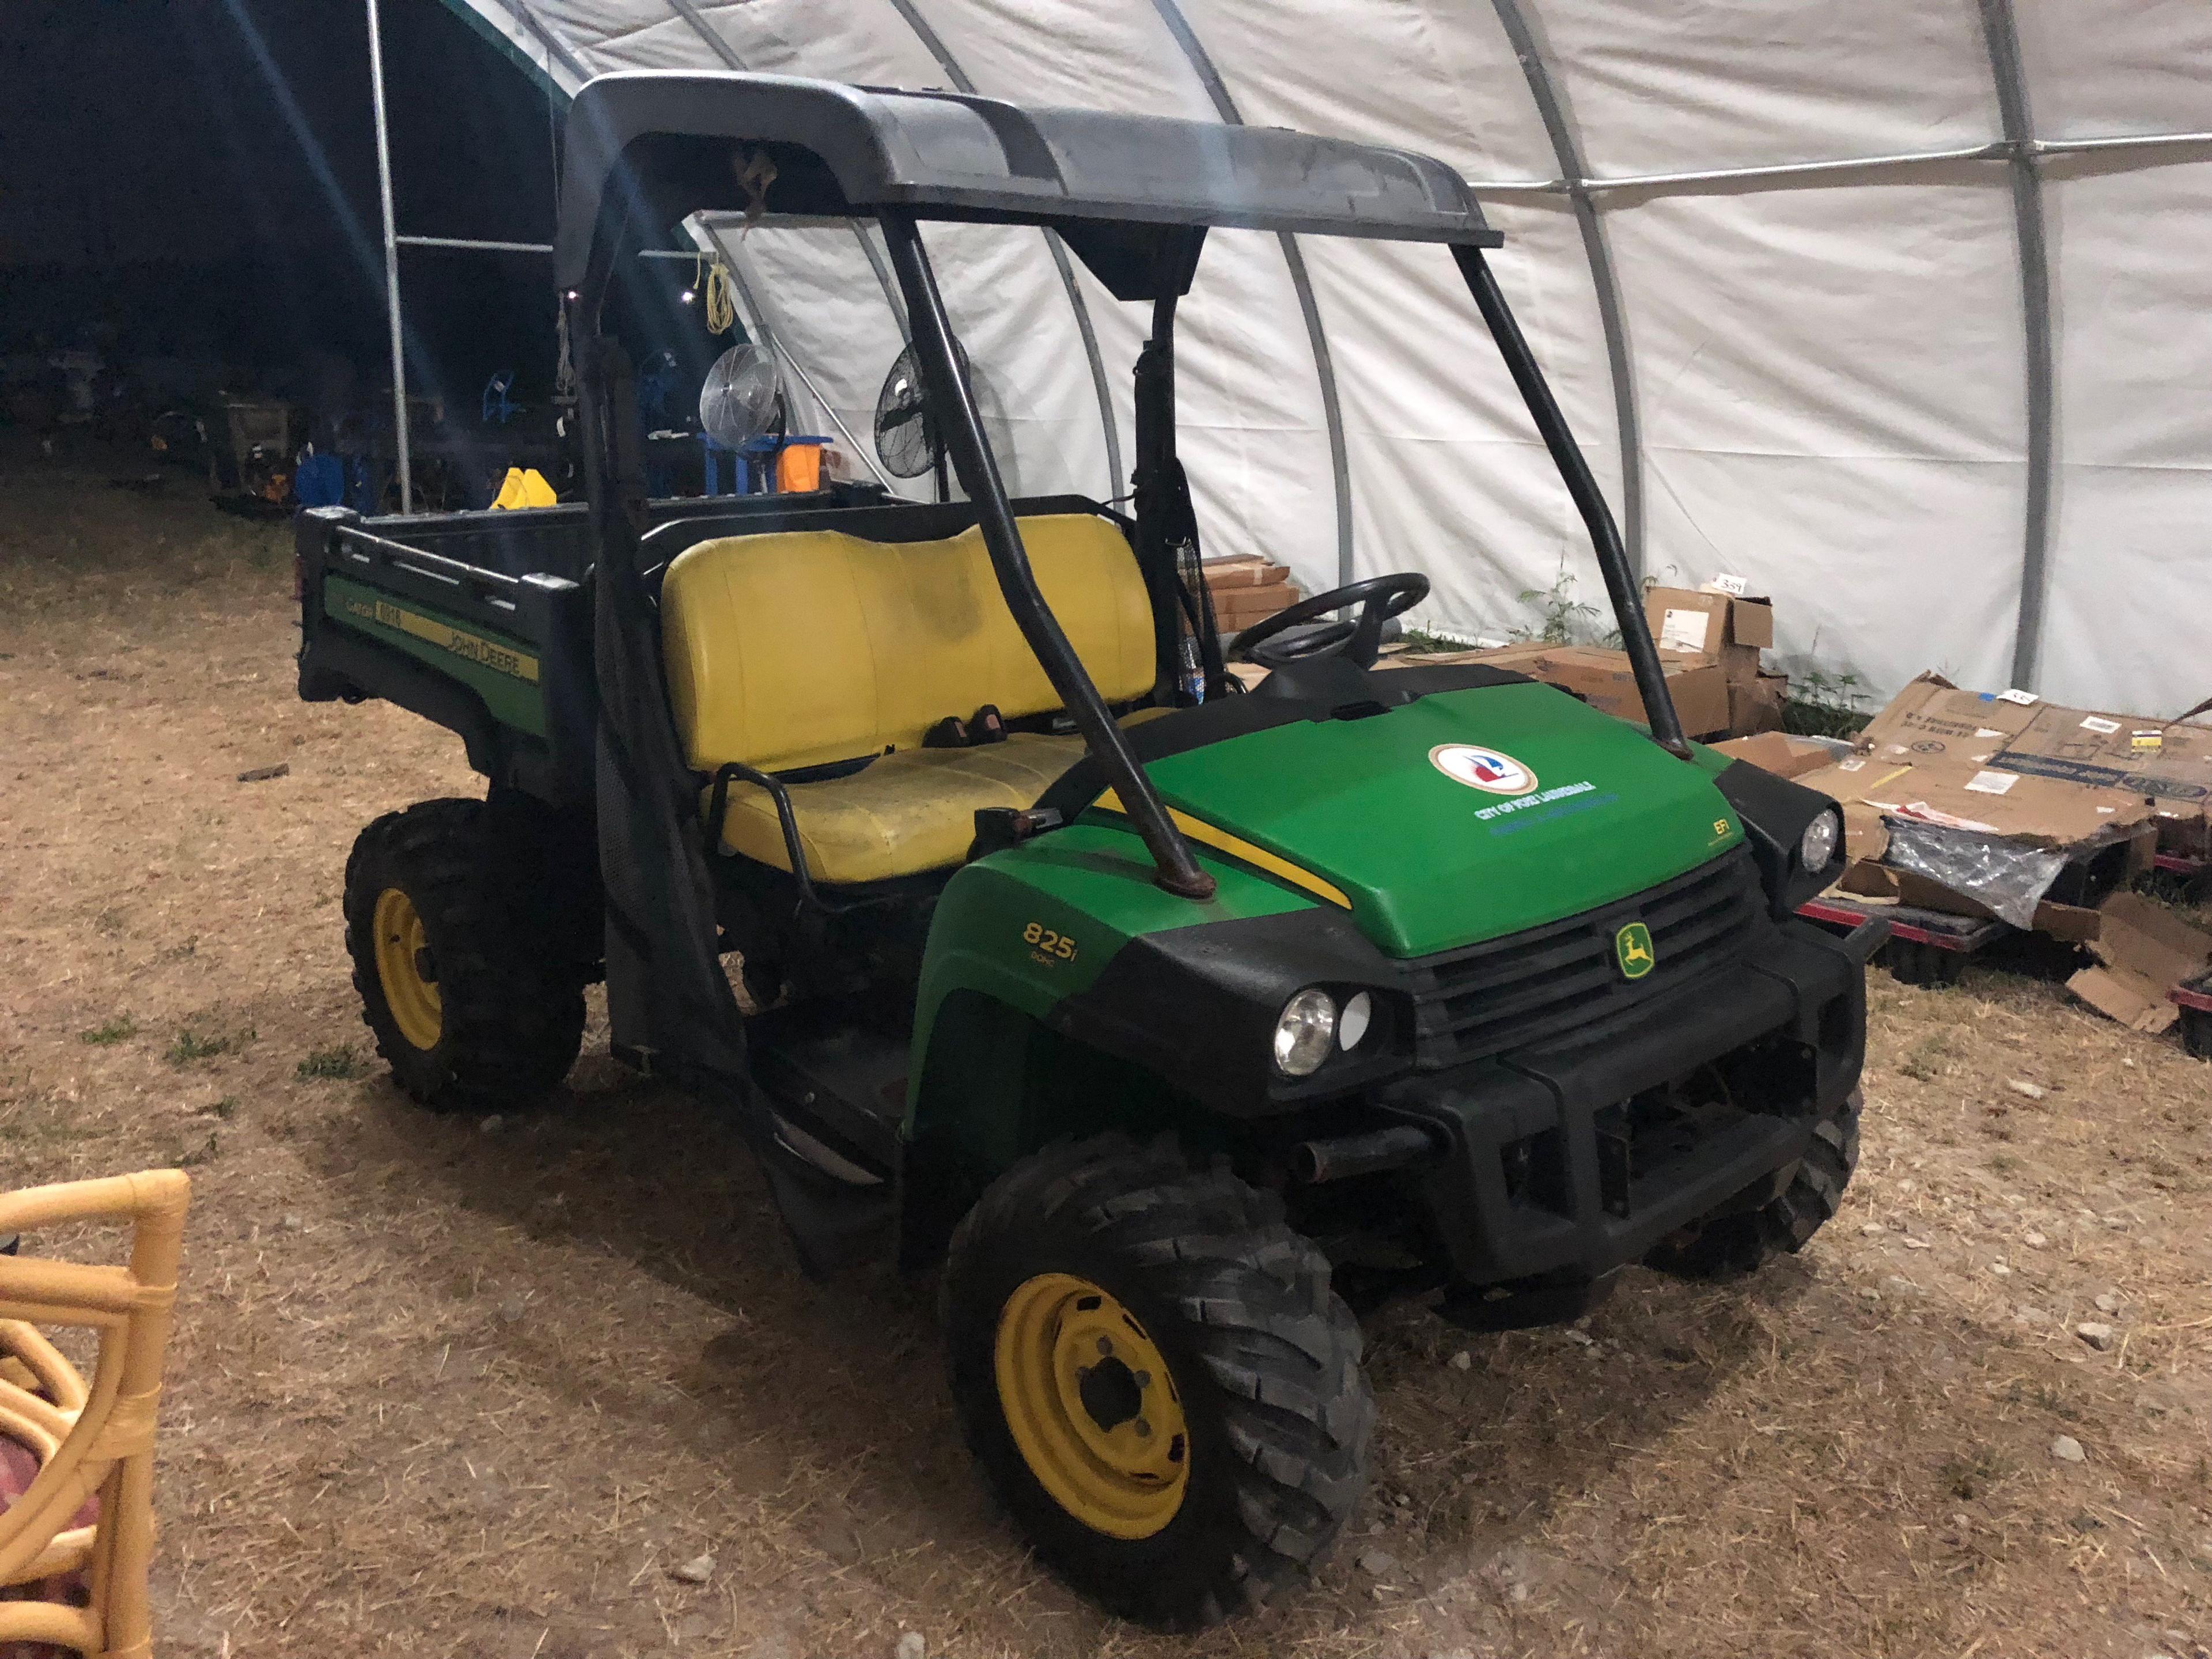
{"x":444,"y":1389}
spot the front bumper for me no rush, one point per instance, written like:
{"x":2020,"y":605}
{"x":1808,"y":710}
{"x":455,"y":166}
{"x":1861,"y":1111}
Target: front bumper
{"x":1545,"y":1174}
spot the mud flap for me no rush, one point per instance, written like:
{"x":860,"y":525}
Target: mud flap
{"x":832,"y":1224}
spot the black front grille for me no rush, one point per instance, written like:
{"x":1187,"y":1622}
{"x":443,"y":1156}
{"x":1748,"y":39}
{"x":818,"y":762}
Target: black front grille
{"x":1531,"y":986}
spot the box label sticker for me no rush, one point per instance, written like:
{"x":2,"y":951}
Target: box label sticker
{"x":2096,"y":723}
{"x":2023,"y":698}
{"x":1734,"y":587}
{"x":1850,"y":766}
{"x":1684,"y":631}
{"x":2104,"y":777}
{"x":1992,"y":783}
{"x":2147,"y":740}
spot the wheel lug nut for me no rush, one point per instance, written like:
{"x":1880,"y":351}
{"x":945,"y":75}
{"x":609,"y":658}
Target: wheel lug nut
{"x":1143,"y":1430}
{"x":1144,"y":1379}
{"x":1105,"y":1345}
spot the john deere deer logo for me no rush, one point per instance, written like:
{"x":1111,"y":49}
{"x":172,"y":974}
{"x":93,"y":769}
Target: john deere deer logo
{"x":1632,"y":949}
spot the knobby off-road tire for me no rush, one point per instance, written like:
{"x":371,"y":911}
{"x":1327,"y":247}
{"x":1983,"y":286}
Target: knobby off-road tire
{"x":1733,"y":1245}
{"x":492,"y":1015}
{"x":1220,"y":1324}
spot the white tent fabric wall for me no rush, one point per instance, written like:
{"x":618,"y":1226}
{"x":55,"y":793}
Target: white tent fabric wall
{"x":1828,"y":368}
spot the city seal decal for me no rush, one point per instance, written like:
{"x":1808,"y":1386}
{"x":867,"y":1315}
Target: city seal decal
{"x":1485,"y":770}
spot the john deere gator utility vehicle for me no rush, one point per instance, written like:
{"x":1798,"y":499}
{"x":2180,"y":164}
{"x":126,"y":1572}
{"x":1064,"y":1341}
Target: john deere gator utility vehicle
{"x":933,"y":843}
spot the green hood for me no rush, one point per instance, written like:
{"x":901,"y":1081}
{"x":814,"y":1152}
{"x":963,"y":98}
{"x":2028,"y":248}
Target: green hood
{"x":1585,"y":810}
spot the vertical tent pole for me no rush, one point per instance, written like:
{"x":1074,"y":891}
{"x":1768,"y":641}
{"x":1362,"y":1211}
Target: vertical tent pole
{"x":2039,"y":352}
{"x":1520,"y":30}
{"x":391,"y":259}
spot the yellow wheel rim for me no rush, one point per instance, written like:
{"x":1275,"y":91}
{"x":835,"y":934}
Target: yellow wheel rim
{"x":1092,"y":1406}
{"x":403,"y":963}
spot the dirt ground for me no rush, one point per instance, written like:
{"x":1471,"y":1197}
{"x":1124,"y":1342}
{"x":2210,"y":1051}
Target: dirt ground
{"x":452,"y":1388}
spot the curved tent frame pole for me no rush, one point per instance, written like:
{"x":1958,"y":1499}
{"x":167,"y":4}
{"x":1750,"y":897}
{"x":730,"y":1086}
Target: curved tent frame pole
{"x":1621,"y":584}
{"x":1340,"y":460}
{"x":954,"y":400}
{"x":1559,"y":127}
{"x":1099,"y":383}
{"x":2020,"y":149}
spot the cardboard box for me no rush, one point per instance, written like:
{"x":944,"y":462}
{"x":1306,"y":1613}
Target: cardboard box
{"x":2167,"y":763}
{"x":1604,"y":680}
{"x":1237,"y":608}
{"x":2142,"y":951}
{"x":1755,"y":702}
{"x":1772,"y":751}
{"x":1241,"y":570}
{"x":1705,"y":621}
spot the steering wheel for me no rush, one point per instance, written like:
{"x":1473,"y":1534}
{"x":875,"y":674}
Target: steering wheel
{"x":1360,"y":639}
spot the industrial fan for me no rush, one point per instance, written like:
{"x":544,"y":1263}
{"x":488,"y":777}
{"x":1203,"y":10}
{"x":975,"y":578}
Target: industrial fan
{"x":741,"y":399}
{"x":908,"y":440}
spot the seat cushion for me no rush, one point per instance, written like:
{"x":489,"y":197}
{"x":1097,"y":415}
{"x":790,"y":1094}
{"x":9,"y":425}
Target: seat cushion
{"x":797,"y":648}
{"x":907,"y":813}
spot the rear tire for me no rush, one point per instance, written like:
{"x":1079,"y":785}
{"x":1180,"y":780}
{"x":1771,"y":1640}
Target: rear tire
{"x":466,"y":977}
{"x":1213,"y":1324}
{"x":1731,"y":1246}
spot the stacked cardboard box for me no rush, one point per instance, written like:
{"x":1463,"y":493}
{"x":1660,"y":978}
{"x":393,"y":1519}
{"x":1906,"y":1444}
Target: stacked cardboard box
{"x":1246,"y":590}
{"x":1604,"y":680}
{"x":1731,"y":630}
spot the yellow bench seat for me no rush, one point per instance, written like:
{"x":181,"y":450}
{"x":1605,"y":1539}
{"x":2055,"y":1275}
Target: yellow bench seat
{"x":796,"y":649}
{"x":913,"y":810}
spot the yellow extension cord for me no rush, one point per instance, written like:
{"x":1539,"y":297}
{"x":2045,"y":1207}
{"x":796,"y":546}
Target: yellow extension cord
{"x":711,"y":283}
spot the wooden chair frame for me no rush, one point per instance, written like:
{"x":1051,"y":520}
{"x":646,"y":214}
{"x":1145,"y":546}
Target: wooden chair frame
{"x":95,"y":1439}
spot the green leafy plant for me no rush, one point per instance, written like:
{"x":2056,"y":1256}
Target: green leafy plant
{"x":110,"y":1031}
{"x":1560,"y":613}
{"x":1825,"y":705}
{"x":337,"y":1064}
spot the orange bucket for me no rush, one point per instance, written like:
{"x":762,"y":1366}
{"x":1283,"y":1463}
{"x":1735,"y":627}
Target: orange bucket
{"x":798,"y":466}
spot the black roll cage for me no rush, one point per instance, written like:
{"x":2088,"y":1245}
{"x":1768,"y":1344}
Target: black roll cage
{"x":644,"y":147}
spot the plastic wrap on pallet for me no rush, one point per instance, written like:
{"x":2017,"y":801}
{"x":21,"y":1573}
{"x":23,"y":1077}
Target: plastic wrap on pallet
{"x":2007,"y":876}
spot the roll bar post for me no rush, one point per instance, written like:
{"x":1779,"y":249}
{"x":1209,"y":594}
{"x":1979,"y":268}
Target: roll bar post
{"x":1605,"y":536}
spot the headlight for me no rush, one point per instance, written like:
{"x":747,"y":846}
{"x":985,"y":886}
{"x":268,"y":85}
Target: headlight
{"x":1352,"y":1024}
{"x":1818,"y":846}
{"x":1305,"y":1033}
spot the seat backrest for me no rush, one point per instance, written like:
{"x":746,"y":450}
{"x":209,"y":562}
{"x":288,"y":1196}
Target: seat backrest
{"x":805,"y":646}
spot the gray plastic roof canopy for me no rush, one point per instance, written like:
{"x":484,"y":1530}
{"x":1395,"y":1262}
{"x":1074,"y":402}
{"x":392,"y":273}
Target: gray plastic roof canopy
{"x":670,"y":145}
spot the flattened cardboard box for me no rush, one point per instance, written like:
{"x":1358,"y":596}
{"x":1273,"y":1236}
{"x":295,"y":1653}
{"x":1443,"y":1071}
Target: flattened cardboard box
{"x":1937,"y":787}
{"x":2167,"y":762}
{"x":2142,"y":951}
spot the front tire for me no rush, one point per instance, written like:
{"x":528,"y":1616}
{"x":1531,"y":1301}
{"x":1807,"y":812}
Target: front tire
{"x":1156,"y":1379}
{"x":1731,"y":1246}
{"x":463,"y":976}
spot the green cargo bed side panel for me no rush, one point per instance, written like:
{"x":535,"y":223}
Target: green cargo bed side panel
{"x":1584,"y":810}
{"x":1039,"y":922}
{"x":503,"y":671}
